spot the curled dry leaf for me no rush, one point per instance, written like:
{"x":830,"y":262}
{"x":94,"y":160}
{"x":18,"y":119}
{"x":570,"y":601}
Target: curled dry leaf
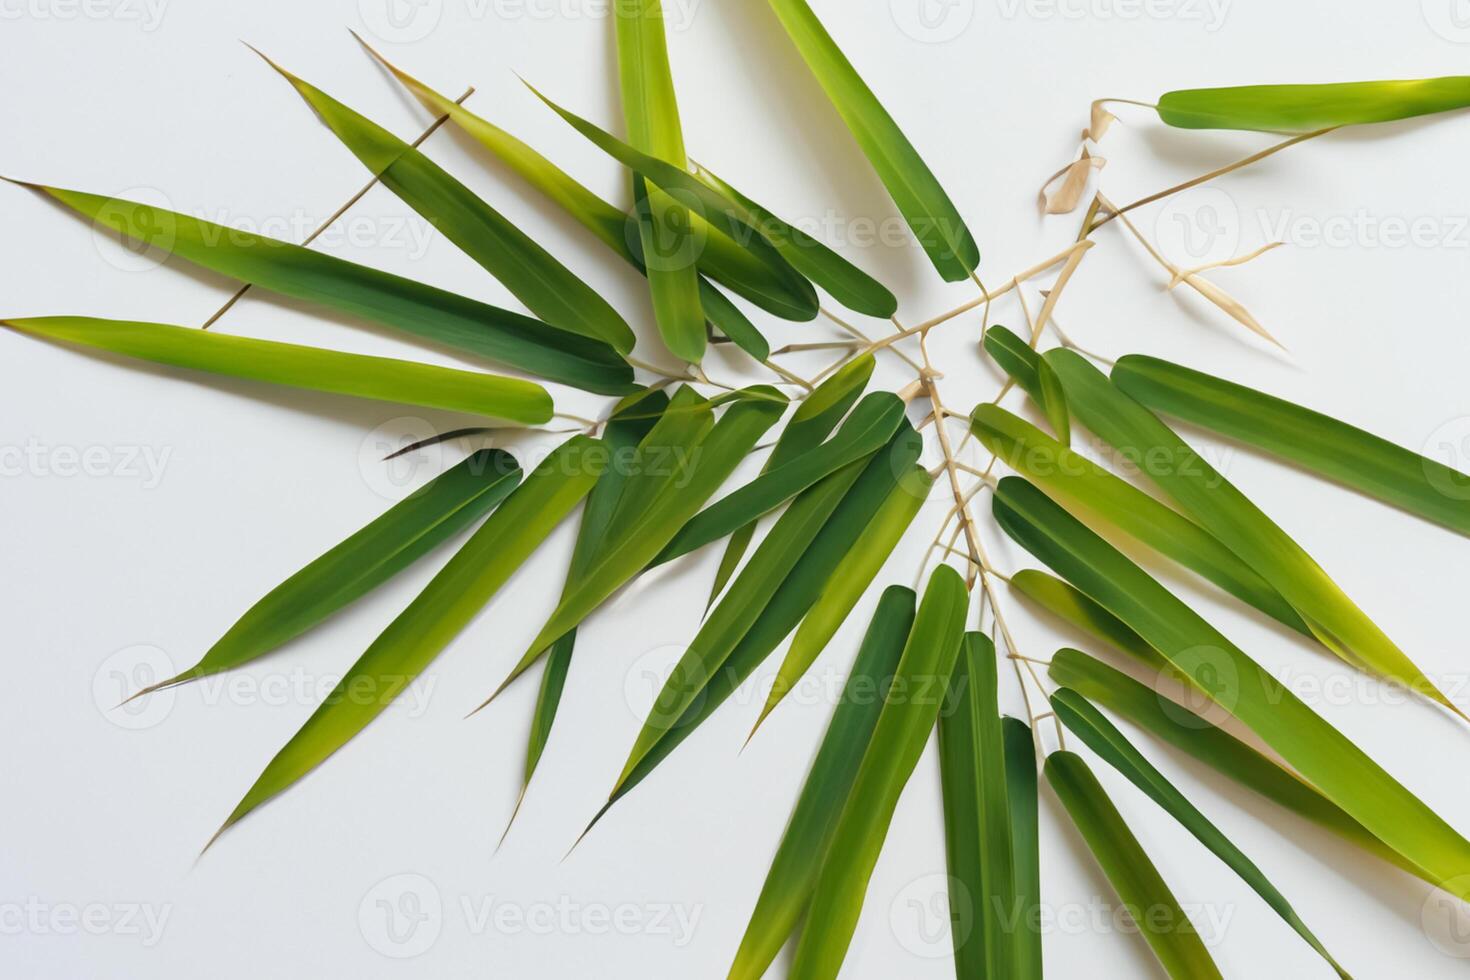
{"x":1100,"y":121}
{"x":1073,"y":181}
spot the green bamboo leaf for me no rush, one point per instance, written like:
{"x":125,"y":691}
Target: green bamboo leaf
{"x":1054,"y":402}
{"x":1310,"y":439}
{"x":622,"y":436}
{"x":927,"y":209}
{"x":742,"y":606}
{"x":1225,"y":512}
{"x":794,"y":869}
{"x":1103,"y":737}
{"x":1021,"y":796}
{"x":722,"y":259}
{"x":1103,"y":500}
{"x":1071,"y":606}
{"x":1277,"y":108}
{"x":1031,"y":374}
{"x":1221,"y":671}
{"x":1197,"y":737}
{"x":641,"y":533}
{"x":846,"y":586}
{"x":424,"y":311}
{"x":549,"y":289}
{"x":977,"y":817}
{"x":709,"y":206}
{"x":811,"y":423}
{"x":872,"y":424}
{"x":434,"y":618}
{"x":312,"y":368}
{"x":904,"y":723}
{"x":651,"y":113}
{"x":794,"y":598}
{"x":849,"y":285}
{"x":403,"y":534}
{"x":1122,"y":858}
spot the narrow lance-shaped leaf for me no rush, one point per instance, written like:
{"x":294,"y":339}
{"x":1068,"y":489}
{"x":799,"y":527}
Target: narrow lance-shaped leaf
{"x":721,"y":259}
{"x":444,"y":608}
{"x":922,"y":202}
{"x":742,"y":606}
{"x":1276,"y":108}
{"x":793,"y":874}
{"x":433,"y":314}
{"x":1020,"y":361}
{"x":1218,"y":669}
{"x":621,"y":436}
{"x":869,"y":428}
{"x":1021,"y":797}
{"x":1318,"y":442}
{"x":709,"y":462}
{"x":1197,"y":737}
{"x":549,"y":289}
{"x":1100,"y":498}
{"x":848,"y":583}
{"x":849,"y":285}
{"x":406,"y":532}
{"x":1153,"y":907}
{"x":708,"y":209}
{"x":977,"y":816}
{"x":1103,"y":737}
{"x":908,"y":715}
{"x":1240,"y":525}
{"x":296,"y":366}
{"x":1071,"y":606}
{"x":652,"y":116}
{"x":811,"y":423}
{"x":794,"y":597}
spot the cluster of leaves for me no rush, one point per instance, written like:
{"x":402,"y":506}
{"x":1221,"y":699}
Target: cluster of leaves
{"x":845,"y":477}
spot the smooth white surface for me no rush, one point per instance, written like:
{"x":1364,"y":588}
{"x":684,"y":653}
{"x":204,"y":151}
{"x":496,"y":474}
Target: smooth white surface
{"x":114,"y":568}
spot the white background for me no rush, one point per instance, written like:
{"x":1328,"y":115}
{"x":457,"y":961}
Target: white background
{"x":111,"y":574}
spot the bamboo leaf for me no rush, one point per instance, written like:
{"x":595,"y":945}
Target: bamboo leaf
{"x":641,"y":531}
{"x":869,"y":428}
{"x":1221,"y":671}
{"x":1032,"y":375}
{"x":794,"y":869}
{"x":406,"y":532}
{"x":1194,"y":735}
{"x":1238,"y":524}
{"x":977,"y":817}
{"x":1100,"y":498}
{"x":1318,"y":442}
{"x":928,"y":210}
{"x":1275,"y":108}
{"x":651,"y":112}
{"x":1103,"y":737}
{"x":811,"y":423}
{"x":742,"y":606}
{"x":846,"y":586}
{"x":1071,"y":606}
{"x":726,"y":317}
{"x":899,"y":736}
{"x":849,"y":285}
{"x":1054,"y":401}
{"x":424,"y":311}
{"x":296,"y":366}
{"x":447,"y":604}
{"x":1153,"y":907}
{"x":549,"y":289}
{"x":1021,"y":796}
